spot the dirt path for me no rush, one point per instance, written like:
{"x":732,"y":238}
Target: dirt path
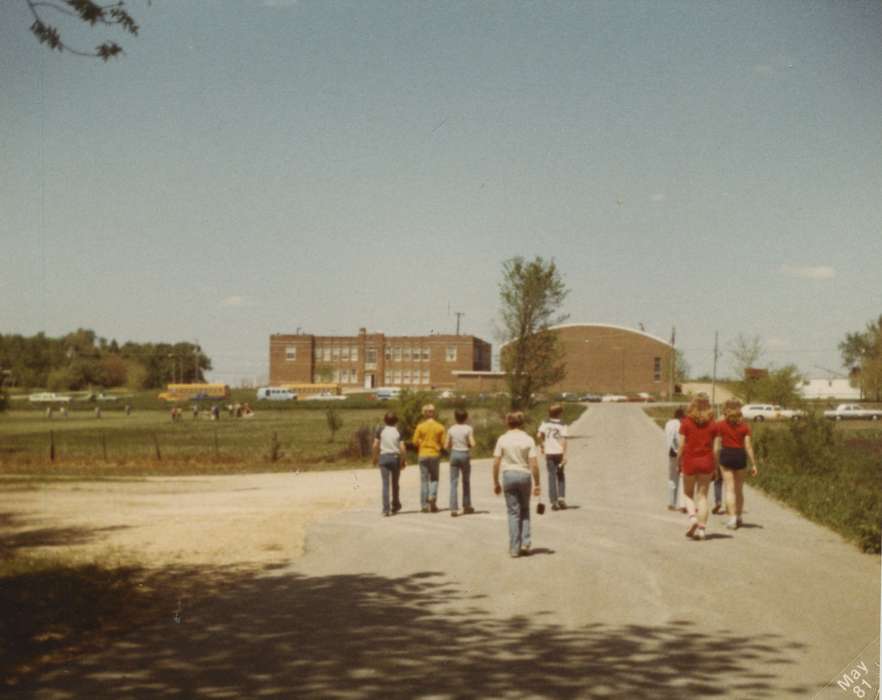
{"x":615,"y":602}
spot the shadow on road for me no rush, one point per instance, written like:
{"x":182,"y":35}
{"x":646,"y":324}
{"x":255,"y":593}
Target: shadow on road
{"x":242,"y":634}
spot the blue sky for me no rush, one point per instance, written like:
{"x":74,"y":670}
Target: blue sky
{"x":253,"y":167}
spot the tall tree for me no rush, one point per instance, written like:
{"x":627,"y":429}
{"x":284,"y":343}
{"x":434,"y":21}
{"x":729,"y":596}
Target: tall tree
{"x":531,"y":295}
{"x":746,"y":352}
{"x":92,"y":13}
{"x":863,"y":350}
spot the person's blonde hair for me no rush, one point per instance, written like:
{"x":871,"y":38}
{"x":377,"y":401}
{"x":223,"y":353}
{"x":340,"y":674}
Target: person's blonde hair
{"x":700,"y":409}
{"x":429,"y":408}
{"x":732,"y":410}
{"x":514,"y":419}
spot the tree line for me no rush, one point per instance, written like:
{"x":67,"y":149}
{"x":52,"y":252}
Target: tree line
{"x":82,"y":360}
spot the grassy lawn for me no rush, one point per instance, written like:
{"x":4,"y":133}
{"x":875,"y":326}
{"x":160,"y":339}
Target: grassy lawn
{"x":147,"y":442}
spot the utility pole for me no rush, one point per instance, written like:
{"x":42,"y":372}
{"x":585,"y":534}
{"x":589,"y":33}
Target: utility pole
{"x":714,"y":383}
{"x":459,"y":315}
{"x":673,"y":362}
{"x":196,"y":363}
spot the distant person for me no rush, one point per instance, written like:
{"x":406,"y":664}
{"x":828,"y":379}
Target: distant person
{"x":515,"y":455}
{"x":734,"y":451}
{"x":128,"y":409}
{"x":195,"y":411}
{"x":215,"y":412}
{"x":429,"y":439}
{"x":390,"y":455}
{"x":98,"y":411}
{"x":64,"y":411}
{"x":672,"y":442}
{"x":696,"y":457}
{"x":49,"y":412}
{"x":460,"y":441}
{"x":552,"y":436}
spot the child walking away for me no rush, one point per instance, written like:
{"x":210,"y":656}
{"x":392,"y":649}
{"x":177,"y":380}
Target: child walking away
{"x":460,"y":441}
{"x":552,"y":437}
{"x":429,"y":439}
{"x":389,"y":455}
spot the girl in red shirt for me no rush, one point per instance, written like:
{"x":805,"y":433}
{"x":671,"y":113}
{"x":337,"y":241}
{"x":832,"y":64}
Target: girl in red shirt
{"x":733,"y":450}
{"x":696,"y":456}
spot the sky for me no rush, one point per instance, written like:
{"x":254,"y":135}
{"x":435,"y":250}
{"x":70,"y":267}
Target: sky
{"x":253,"y":167}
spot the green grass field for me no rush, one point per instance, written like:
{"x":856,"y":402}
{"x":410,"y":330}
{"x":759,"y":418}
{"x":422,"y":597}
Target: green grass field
{"x":147,"y":442}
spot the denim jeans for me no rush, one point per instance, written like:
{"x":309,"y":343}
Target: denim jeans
{"x":390,"y":471}
{"x":557,"y":483}
{"x":460,"y":462}
{"x":718,"y":491}
{"x":673,"y":479}
{"x":429,"y":467}
{"x":516,"y":486}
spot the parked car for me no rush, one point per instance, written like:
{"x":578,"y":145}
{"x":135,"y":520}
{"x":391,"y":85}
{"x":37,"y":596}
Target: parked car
{"x":766,"y":411}
{"x":852,"y":411}
{"x":47,"y":397}
{"x":592,"y":398}
{"x":272,"y":393}
{"x":387,"y":393}
{"x":613,"y":398}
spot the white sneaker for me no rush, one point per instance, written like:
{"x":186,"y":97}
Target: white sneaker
{"x":732,"y":523}
{"x":700,"y":535}
{"x":693,"y":526}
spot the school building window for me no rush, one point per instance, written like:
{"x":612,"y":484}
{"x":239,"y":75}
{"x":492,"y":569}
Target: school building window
{"x":353,"y":353}
{"x":656,"y":369}
{"x":407,"y":353}
{"x":353,"y":376}
{"x":344,"y":353}
{"x":425,"y":354}
{"x":370,"y":356}
{"x":335,"y":352}
{"x":405,"y":377}
{"x":451,"y":353}
{"x":396,"y":351}
{"x":425,"y":376}
{"x":327,"y":354}
{"x":291,"y":353}
{"x":387,"y":352}
{"x":387,"y":378}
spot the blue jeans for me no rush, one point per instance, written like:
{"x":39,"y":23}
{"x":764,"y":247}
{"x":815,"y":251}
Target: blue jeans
{"x":516,"y":486}
{"x":673,"y":479}
{"x":390,"y":471}
{"x":429,"y":467}
{"x":460,"y":462}
{"x":557,"y":483}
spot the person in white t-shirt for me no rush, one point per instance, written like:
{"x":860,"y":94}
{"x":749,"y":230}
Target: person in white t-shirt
{"x":552,"y":436}
{"x":515,"y":456}
{"x":460,"y":441}
{"x":672,"y":442}
{"x":389,"y":454}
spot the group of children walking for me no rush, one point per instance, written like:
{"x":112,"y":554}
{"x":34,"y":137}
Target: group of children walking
{"x":703,"y":449}
{"x":515,"y":466}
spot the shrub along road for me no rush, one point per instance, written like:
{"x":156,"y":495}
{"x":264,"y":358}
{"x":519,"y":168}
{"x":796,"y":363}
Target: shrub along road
{"x":614,"y":602}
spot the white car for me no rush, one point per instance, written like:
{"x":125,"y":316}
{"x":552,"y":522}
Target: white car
{"x":613,"y":398}
{"x":766,"y":411}
{"x":846,"y":411}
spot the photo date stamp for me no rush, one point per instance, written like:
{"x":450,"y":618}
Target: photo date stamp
{"x":860,"y":679}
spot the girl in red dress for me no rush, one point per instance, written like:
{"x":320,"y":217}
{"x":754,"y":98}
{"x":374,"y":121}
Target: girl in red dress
{"x":734,"y":449}
{"x":696,"y":455}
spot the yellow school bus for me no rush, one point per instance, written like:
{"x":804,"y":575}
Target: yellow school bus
{"x":195,"y":392}
{"x":304,"y":391}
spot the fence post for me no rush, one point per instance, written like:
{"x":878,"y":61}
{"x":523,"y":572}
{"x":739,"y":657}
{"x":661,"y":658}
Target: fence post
{"x":156,"y":444}
{"x":51,"y":446}
{"x":274,"y":447}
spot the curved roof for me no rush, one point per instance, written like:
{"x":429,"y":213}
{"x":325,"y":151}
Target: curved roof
{"x":608,"y":325}
{"x":603,"y":325}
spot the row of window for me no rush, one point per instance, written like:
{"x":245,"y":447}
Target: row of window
{"x":345,"y":376}
{"x":349,"y":353}
{"x":405,"y":376}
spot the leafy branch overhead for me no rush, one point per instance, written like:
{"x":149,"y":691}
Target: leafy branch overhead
{"x":92,"y":13}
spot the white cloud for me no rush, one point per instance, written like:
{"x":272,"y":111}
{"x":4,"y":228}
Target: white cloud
{"x":817,"y":272}
{"x":658,"y":197}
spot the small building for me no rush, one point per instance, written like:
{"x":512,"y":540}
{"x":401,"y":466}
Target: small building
{"x":834,"y":388}
{"x":370,"y":360}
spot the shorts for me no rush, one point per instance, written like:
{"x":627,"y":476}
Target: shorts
{"x":733,"y":457}
{"x":692,"y":468}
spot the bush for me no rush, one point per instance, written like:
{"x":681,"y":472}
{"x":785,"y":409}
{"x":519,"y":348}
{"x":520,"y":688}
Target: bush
{"x":829,"y":480}
{"x":409,"y":409}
